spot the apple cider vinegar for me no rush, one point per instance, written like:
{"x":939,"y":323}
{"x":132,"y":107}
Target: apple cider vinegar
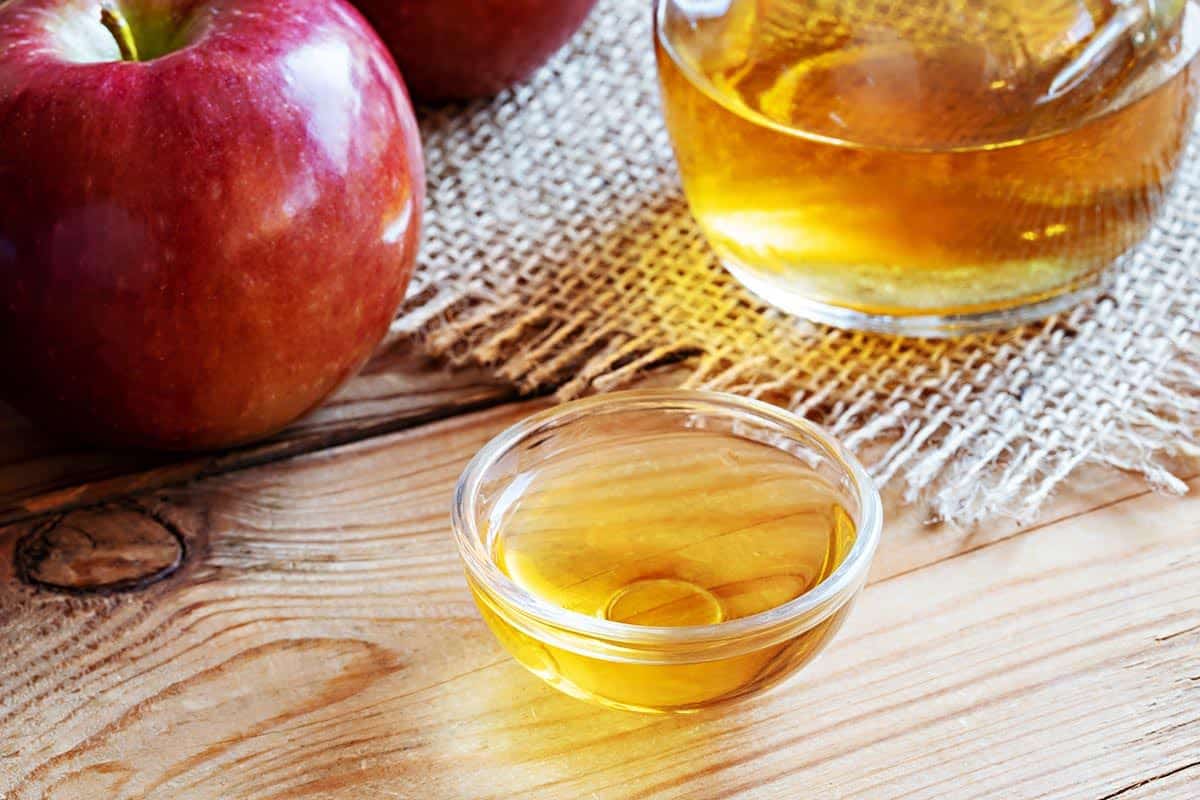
{"x":667,"y":530}
{"x":926,"y":167}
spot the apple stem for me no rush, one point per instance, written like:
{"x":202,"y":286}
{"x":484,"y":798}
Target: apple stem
{"x":112,"y":18}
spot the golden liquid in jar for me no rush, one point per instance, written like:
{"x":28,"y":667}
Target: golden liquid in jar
{"x":668,"y":530}
{"x":902,"y":158}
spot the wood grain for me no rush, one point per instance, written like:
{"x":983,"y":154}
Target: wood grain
{"x":398,"y":389}
{"x":321,"y":644}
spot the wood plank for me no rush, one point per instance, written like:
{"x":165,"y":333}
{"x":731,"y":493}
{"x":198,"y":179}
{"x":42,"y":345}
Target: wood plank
{"x":398,"y":389}
{"x":320,"y":643}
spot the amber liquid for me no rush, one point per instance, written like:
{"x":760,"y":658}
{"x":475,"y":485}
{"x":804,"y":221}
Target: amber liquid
{"x":905,"y":158}
{"x":669,"y":530}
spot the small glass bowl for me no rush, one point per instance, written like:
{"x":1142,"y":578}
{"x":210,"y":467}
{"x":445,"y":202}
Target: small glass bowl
{"x":659,"y":669}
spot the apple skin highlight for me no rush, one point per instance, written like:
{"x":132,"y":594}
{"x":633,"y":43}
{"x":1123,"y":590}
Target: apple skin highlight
{"x":197,"y":248}
{"x":463,"y":49}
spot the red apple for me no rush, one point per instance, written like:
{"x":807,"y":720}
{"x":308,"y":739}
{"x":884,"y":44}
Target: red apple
{"x":456,"y":49}
{"x":201,"y":240}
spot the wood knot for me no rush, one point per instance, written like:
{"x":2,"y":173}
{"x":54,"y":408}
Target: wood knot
{"x":101,"y":550}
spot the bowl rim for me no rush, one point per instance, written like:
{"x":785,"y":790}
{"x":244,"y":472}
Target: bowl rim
{"x":804,"y":612}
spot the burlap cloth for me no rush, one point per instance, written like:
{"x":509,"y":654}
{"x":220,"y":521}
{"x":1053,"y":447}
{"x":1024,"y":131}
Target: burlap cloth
{"x":559,"y":252}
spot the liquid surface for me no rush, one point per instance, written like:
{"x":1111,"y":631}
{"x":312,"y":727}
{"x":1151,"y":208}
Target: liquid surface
{"x":924,"y":158}
{"x":947,"y":75}
{"x":671,"y":529}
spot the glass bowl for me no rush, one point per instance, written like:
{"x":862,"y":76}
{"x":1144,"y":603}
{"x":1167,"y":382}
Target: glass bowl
{"x":642,"y":667}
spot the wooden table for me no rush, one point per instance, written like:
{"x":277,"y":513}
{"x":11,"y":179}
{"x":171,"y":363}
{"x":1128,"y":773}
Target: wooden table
{"x":293,"y":623}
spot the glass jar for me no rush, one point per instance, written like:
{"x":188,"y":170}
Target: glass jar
{"x":926,"y":168}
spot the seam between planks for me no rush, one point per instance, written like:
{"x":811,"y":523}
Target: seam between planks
{"x":1038,"y":526}
{"x":186,"y":470}
{"x":1146,"y":782}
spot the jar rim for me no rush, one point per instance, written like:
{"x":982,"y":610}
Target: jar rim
{"x":803,"y":612}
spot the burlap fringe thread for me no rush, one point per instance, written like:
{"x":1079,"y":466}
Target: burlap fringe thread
{"x":560,"y":253}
